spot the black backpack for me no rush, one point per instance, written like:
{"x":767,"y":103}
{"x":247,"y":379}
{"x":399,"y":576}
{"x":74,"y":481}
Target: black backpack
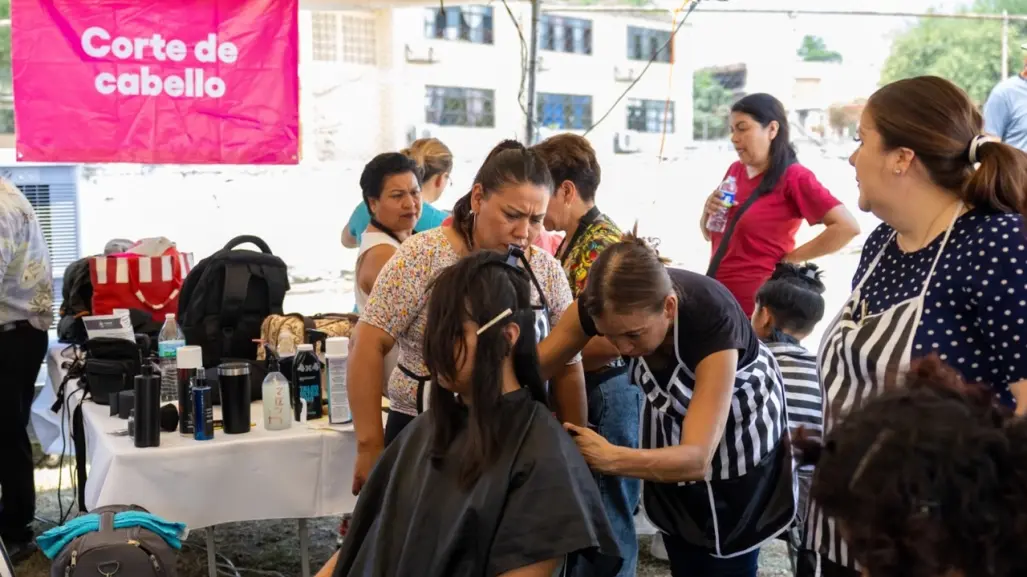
{"x":76,"y":302}
{"x":227,"y":296}
{"x":133,"y":551}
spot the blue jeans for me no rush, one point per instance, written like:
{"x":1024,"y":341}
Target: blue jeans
{"x":690,"y":561}
{"x":614,"y":410}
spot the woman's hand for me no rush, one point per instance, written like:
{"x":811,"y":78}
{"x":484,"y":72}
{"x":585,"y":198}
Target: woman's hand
{"x":366,"y":458}
{"x":713,"y":204}
{"x":598,"y":452}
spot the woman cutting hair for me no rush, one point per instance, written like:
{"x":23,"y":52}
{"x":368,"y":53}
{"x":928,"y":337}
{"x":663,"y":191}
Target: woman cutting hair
{"x":928,"y":480}
{"x":783,"y":193}
{"x":716,"y":470}
{"x":504,"y":209}
{"x":944,"y":273}
{"x":486,"y":483}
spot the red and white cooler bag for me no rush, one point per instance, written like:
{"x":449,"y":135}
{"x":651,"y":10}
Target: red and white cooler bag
{"x":132,"y":281}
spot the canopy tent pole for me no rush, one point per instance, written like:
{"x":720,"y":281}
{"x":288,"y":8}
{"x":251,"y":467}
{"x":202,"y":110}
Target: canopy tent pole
{"x":532,"y":64}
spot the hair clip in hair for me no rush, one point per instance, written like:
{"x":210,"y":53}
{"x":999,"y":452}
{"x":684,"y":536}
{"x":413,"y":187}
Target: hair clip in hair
{"x":811,"y":274}
{"x":495,"y":320}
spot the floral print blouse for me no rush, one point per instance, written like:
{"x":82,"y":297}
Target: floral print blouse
{"x":398,"y":303}
{"x":26,"y":289}
{"x":577,"y":261}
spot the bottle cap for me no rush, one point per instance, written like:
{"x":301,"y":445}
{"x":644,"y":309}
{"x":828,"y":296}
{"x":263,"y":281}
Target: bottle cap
{"x":189,"y":357}
{"x":305,"y":347}
{"x":337,"y":346}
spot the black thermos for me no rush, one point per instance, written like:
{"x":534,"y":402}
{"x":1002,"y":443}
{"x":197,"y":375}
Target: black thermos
{"x":190,"y":363}
{"x":147,"y":407}
{"x":234,"y":380}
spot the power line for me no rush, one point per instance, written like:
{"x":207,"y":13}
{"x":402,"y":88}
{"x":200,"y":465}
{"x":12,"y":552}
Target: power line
{"x":656,"y":54}
{"x":785,"y":11}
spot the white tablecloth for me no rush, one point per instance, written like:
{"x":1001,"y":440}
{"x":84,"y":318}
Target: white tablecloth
{"x":45,"y":422}
{"x":301,"y":472}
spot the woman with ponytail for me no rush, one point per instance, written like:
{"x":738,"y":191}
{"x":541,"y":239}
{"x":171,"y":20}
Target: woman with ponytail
{"x":927,"y":480}
{"x":714,"y":458}
{"x":503,"y":213}
{"x":945,"y":274}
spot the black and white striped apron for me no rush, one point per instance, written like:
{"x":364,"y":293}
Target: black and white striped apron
{"x":749,"y":496}
{"x":858,"y":359}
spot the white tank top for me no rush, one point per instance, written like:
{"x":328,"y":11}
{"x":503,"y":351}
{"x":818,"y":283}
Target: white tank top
{"x":367,"y":242}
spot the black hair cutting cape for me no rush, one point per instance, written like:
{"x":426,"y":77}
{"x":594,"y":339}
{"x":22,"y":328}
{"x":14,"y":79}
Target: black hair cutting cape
{"x":537,"y":502}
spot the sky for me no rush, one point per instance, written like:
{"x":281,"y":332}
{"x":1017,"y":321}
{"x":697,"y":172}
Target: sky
{"x":764,"y":40}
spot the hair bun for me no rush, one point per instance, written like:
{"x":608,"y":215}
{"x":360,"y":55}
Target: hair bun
{"x":649,"y":242}
{"x":806,"y":275}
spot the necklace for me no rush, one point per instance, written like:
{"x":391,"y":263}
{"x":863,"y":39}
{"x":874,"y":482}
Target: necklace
{"x":931,"y":234}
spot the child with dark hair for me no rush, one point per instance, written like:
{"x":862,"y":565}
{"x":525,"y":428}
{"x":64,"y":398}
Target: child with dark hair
{"x":926,"y":480}
{"x":788,"y":308}
{"x":486,"y":483}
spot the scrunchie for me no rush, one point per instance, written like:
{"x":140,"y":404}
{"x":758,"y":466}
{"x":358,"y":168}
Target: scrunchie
{"x":976,"y":143}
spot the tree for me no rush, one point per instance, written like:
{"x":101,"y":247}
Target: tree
{"x":814,"y":49}
{"x":711,"y":106}
{"x":844,"y":118}
{"x":5,"y":37}
{"x":967,"y":52}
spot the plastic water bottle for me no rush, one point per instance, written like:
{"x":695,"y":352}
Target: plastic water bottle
{"x":274,"y":395}
{"x":336,"y":359}
{"x":718,"y":220}
{"x":168,"y":342}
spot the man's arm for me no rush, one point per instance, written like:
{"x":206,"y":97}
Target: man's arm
{"x":996,"y":113}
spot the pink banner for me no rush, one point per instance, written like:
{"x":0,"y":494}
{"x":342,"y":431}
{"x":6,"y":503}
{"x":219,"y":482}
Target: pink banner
{"x":156,"y":81}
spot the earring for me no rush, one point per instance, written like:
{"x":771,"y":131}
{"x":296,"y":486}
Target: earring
{"x":898,"y":171}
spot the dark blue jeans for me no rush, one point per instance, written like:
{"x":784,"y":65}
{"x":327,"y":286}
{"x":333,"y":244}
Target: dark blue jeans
{"x":690,"y":561}
{"x":614,"y":410}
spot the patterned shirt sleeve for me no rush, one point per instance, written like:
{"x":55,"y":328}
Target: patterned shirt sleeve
{"x":596,"y":239}
{"x":400,"y":291}
{"x":558,"y":293}
{"x":11,"y":235}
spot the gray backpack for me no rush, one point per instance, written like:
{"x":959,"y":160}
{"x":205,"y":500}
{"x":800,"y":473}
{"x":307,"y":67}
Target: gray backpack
{"x":110,"y":552}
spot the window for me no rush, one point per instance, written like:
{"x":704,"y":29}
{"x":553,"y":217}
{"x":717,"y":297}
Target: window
{"x":325,"y":34}
{"x":565,"y":111}
{"x":470,"y":23}
{"x":650,"y":115}
{"x":6,"y":121}
{"x":643,"y":43}
{"x":451,"y":106}
{"x":358,"y":39}
{"x":565,"y":34}
{"x":342,"y":37}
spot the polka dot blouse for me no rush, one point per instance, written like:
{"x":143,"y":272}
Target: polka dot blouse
{"x":975,"y":309}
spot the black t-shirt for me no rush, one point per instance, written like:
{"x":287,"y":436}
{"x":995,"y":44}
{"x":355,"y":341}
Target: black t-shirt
{"x":710,"y":320}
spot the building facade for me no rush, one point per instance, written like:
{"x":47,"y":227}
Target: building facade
{"x":375,"y":80}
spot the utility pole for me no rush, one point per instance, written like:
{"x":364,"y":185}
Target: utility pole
{"x":1005,"y":44}
{"x":529,"y":132}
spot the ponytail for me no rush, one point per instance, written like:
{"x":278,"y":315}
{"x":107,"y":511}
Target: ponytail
{"x":1000,"y":181}
{"x":501,"y":167}
{"x":432,"y":156}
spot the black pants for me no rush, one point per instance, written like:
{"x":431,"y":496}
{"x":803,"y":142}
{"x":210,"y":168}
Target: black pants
{"x":394,"y":425}
{"x":22,"y":351}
